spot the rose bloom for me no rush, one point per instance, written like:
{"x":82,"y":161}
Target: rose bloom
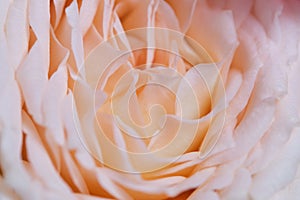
{"x":148,"y":100}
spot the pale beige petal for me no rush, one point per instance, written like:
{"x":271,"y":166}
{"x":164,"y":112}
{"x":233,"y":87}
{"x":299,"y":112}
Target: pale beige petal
{"x":279,"y":172}
{"x":32,"y":75}
{"x":71,"y":170}
{"x":40,"y":160}
{"x":16,"y":29}
{"x":6,"y":192}
{"x":209,"y":195}
{"x":214,"y":30}
{"x":239,"y":187}
{"x":87,"y":13}
{"x":51,"y":107}
{"x":73,"y":17}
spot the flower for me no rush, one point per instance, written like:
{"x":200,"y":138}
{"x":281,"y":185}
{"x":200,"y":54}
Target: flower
{"x":149,"y":99}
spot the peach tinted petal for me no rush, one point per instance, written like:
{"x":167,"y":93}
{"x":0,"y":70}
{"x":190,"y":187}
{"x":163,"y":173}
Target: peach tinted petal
{"x":130,"y":10}
{"x":197,"y":86}
{"x":55,"y":89}
{"x":211,"y":28}
{"x":75,"y":175}
{"x":51,"y":98}
{"x":59,"y":9}
{"x":184,"y":12}
{"x":36,"y":152}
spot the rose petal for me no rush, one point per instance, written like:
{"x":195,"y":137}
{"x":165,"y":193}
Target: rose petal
{"x":279,"y":172}
{"x":214,"y":30}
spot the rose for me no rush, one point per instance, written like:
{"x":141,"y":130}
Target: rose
{"x":131,"y":126}
{"x":245,"y":41}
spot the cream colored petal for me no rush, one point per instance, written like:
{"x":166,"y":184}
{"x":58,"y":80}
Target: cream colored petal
{"x":164,"y":15}
{"x":98,"y":19}
{"x":73,"y":171}
{"x":32,"y":75}
{"x":16,"y":29}
{"x":91,"y":39}
{"x":55,"y":91}
{"x":244,"y":141}
{"x":214,"y":30}
{"x":40,"y":160}
{"x":269,"y":18}
{"x":291,"y":191}
{"x":241,"y":10}
{"x":6,"y":192}
{"x":10,"y":125}
{"x":194,"y":181}
{"x":73,"y":17}
{"x":164,"y":187}
{"x":279,"y":172}
{"x":118,"y":26}
{"x":209,"y":195}
{"x":39,"y":14}
{"x":180,"y":167}
{"x":239,"y":187}
{"x":110,"y":135}
{"x":87,"y":13}
{"x":103,"y":61}
{"x":176,"y":61}
{"x":4,"y":10}
{"x":196,"y":90}
{"x":10,"y":133}
{"x":82,"y":156}
{"x":59,"y":53}
{"x":139,"y":188}
{"x":106,"y":181}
